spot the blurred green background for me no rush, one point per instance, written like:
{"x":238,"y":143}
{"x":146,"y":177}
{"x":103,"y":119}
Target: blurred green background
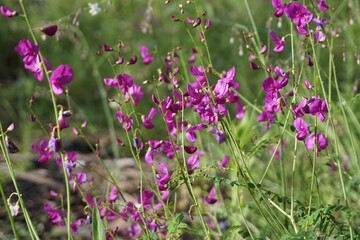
{"x":81,"y":35}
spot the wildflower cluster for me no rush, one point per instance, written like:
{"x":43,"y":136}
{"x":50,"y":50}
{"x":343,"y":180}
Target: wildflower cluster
{"x":189,"y":102}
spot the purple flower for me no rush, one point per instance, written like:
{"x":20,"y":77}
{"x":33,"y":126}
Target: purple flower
{"x":11,"y":147}
{"x":54,"y":145}
{"x":266,"y":117}
{"x":132,"y":60}
{"x":107,"y":48}
{"x":49,"y":30}
{"x":220,"y":135}
{"x":55,"y":216}
{"x":146,"y":199}
{"x":74,"y":225}
{"x":113,"y":195}
{"x":196,"y":22}
{"x":319,"y":108}
{"x":32,"y":61}
{"x":125,"y":120}
{"x":222,"y":86}
{"x":322,"y":5}
{"x":190,"y":132}
{"x":321,"y":142}
{"x":81,"y":179}
{"x":138,"y":143}
{"x":301,"y":127}
{"x":279,"y":6}
{"x":43,"y":150}
{"x":307,"y":84}
{"x":299,"y":15}
{"x":190,"y":149}
{"x":163,"y":177}
{"x":210,"y":198}
{"x":61,"y":76}
{"x":194,"y":161}
{"x":63,"y":123}
{"x":135,"y":230}
{"x":319,"y":22}
{"x":7,"y":12}
{"x":319,"y":36}
{"x":279,"y":43}
{"x":224,"y":163}
{"x":207,"y":24}
{"x":147,"y":57}
{"x":147,"y":120}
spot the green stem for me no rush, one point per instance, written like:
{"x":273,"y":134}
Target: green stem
{"x":30,"y":226}
{"x":3,"y":196}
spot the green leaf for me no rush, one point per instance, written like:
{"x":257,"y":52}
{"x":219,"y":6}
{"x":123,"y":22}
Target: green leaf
{"x":98,"y":228}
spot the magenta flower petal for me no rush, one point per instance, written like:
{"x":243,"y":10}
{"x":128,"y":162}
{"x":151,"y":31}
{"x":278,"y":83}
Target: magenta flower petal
{"x":61,"y":76}
{"x":210,"y":198}
{"x":322,"y":5}
{"x":225,"y":162}
{"x":49,"y":30}
{"x":7,"y":12}
{"x":279,"y":43}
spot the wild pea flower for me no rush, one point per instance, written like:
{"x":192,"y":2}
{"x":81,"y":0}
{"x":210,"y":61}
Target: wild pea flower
{"x":190,"y":132}
{"x":74,"y":225}
{"x":280,"y":7}
{"x":268,"y":117}
{"x":300,"y":126}
{"x":147,"y":120}
{"x":32,"y":61}
{"x":300,"y":15}
{"x":63,"y":123}
{"x":321,"y":142}
{"x":147,"y":57}
{"x":135,"y":230}
{"x":223,"y":85}
{"x":220,"y":135}
{"x":61,"y":76}
{"x":7,"y":12}
{"x":113,"y":194}
{"x":145,"y":199}
{"x":319,"y":36}
{"x":194,"y":161}
{"x":155,"y":146}
{"x":279,"y":42}
{"x":138,"y":143}
{"x":207,"y":24}
{"x":43,"y":150}
{"x":225,"y":162}
{"x":318,"y":107}
{"x":49,"y":30}
{"x":132,"y":60}
{"x":79,"y":178}
{"x":125,"y":120}
{"x":190,"y":149}
{"x":55,"y":216}
{"x":210,"y":198}
{"x":163,"y":177}
{"x":125,"y":82}
{"x":10,"y":145}
{"x":322,"y":5}
{"x":307,"y":84}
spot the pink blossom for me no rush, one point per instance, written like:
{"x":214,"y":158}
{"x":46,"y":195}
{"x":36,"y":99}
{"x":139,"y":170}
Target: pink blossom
{"x":7,"y":12}
{"x":300,"y":126}
{"x":147,"y":57}
{"x":210,"y":198}
{"x":61,"y":76}
{"x":279,"y":42}
{"x":322,"y":5}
